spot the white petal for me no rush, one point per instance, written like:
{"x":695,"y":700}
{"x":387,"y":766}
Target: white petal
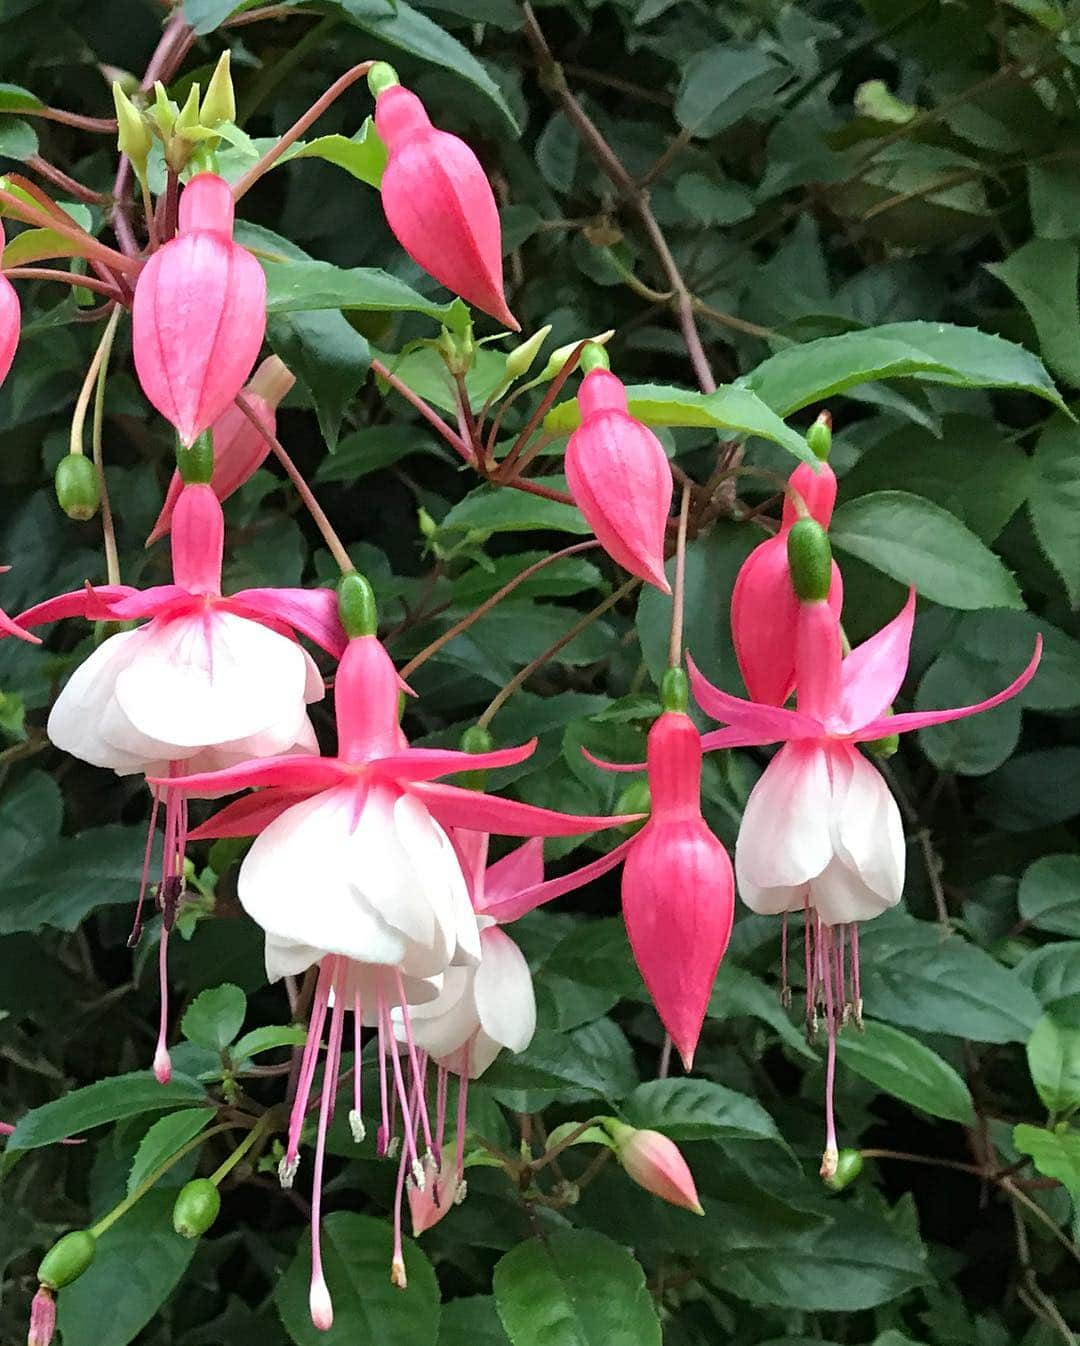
{"x":446,"y":1023}
{"x":268,"y":744}
{"x":212,"y":677}
{"x":297,"y":882}
{"x":286,"y":959}
{"x":784,"y":839}
{"x":773,"y":901}
{"x":868,"y":835}
{"x":505,"y":1001}
{"x":75,"y":721}
{"x":482,"y":1052}
{"x":840,"y":896}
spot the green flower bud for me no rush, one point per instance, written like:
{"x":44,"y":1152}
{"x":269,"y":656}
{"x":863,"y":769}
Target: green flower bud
{"x":196,"y":1208}
{"x":427,"y":525}
{"x":634,"y":799}
{"x":476,"y":739}
{"x":810,"y":561}
{"x":559,"y":357}
{"x":381,"y":76}
{"x":78,"y":486}
{"x":819,"y":436}
{"x":520,"y":360}
{"x":219,"y":102}
{"x":594,"y":357}
{"x":887,"y":746}
{"x":133,"y":136}
{"x":675,"y":690}
{"x":67,"y":1259}
{"x":356,"y":606}
{"x":849,"y":1164}
{"x":195,"y":461}
{"x":458,"y":352}
{"x":164,"y":111}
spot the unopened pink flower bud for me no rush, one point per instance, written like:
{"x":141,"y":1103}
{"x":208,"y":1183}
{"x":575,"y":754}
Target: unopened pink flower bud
{"x":42,"y":1318}
{"x":655,"y":1163}
{"x":620,"y":479}
{"x":239,"y":449}
{"x":10,"y":317}
{"x":439,"y":204}
{"x":199,"y":313}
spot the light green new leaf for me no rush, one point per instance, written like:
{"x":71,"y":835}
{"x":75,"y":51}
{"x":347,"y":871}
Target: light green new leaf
{"x":164,"y":1139}
{"x":1056,"y":1153}
{"x":1053,"y":1053}
{"x":302,"y":286}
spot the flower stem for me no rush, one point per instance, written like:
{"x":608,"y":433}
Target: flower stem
{"x":325,"y":527}
{"x":82,"y":403}
{"x":68,"y":277}
{"x":112,"y":559}
{"x":257,"y":1132}
{"x":87,"y":246}
{"x":488,"y":603}
{"x":432,"y":417}
{"x":519,"y":679}
{"x":108,"y":1220}
{"x":679,"y":595}
{"x":509,"y":463}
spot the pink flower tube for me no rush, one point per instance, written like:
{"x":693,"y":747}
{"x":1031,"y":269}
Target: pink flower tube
{"x":199,"y":313}
{"x":10,"y":319}
{"x":620,"y":479}
{"x":439,"y":204}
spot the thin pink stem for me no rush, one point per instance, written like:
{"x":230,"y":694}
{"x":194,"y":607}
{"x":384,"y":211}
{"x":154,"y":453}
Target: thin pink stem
{"x":136,"y":926}
{"x":308,"y":1065}
{"x":432,"y":417}
{"x":828,"y":1162}
{"x":68,"y":278}
{"x":399,"y":1085}
{"x":425,"y":1121}
{"x":383,"y":1139}
{"x":358,"y":1074}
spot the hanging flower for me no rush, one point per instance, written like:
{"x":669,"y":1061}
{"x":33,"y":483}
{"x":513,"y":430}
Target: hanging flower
{"x":10,"y":319}
{"x":821,"y":833}
{"x":199,"y":313}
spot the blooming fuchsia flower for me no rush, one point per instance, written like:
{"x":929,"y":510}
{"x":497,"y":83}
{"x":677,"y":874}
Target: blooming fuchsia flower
{"x":763,"y":603}
{"x":437,"y":199}
{"x":821,"y":833}
{"x":10,"y":319}
{"x":678,"y":893}
{"x":239,"y":449}
{"x":620,"y":478}
{"x":206,"y":681}
{"x":363,"y":836}
{"x":199,"y":313}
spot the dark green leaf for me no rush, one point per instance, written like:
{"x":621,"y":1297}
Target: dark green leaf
{"x":471,"y":1322}
{"x":689,"y":1109}
{"x":305,"y":286}
{"x":326,"y":354}
{"x":1049,"y":894}
{"x":214,"y":1017}
{"x":488,"y":510}
{"x":1055,"y":500}
{"x":108,"y":1100}
{"x":1043,"y":274}
{"x":721,"y":85}
{"x":906,"y":1068}
{"x":164,"y":1139}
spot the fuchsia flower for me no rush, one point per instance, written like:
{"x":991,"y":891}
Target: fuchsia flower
{"x":439,"y":204}
{"x":239,"y":449}
{"x":677,"y":887}
{"x":385,"y":912}
{"x":821,"y":833}
{"x":199,"y":313}
{"x":620,"y":479}
{"x":206,"y":681}
{"x":763,"y":603}
{"x":10,"y":319}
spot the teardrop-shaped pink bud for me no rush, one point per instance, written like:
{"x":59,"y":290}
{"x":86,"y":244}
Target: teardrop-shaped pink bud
{"x":678,"y":891}
{"x":439,"y":204}
{"x":239,"y":449}
{"x":10,"y":317}
{"x":199,"y":314}
{"x":764,"y":609}
{"x":655,"y":1162}
{"x":620,"y":479}
{"x":198,"y":540}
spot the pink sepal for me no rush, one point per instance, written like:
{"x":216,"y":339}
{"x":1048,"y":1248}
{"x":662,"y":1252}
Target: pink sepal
{"x":773,"y":722}
{"x":312,"y":612}
{"x":149,"y":602}
{"x":198,"y":540}
{"x":522,"y":868}
{"x":611,"y":766}
{"x":366,"y":702}
{"x":95,"y":604}
{"x":510,"y":908}
{"x":454,"y":807}
{"x":292,"y":772}
{"x":247,"y":817}
{"x":425,"y":764}
{"x":873,"y":672}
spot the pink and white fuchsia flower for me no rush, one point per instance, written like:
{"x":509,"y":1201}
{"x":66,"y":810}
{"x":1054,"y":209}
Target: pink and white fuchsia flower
{"x":821,"y":833}
{"x":385,"y":912}
{"x":208,"y":680}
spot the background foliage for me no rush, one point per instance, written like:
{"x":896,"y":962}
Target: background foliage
{"x":847,"y":189}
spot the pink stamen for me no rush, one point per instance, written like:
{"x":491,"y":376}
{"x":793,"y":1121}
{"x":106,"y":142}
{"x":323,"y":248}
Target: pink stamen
{"x":462,"y":1102}
{"x":425,"y":1121}
{"x":319,"y":1298}
{"x":808,"y":954}
{"x":306,"y":1077}
{"x":442,"y":1089}
{"x":853,"y":934}
{"x":400,"y":1091}
{"x":785,"y":989}
{"x":136,"y":925}
{"x":829,"y":1158}
{"x":356,"y":1117}
{"x":382,"y":1142}
{"x":162,"y":1060}
{"x":397,"y":1265}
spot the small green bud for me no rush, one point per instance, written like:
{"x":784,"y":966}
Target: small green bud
{"x":476,"y":739}
{"x":886,"y":746}
{"x":594,"y":357}
{"x":196,"y":1208}
{"x":458,"y":352}
{"x":849,"y":1164}
{"x":810,"y":561}
{"x":381,"y":76}
{"x":195,"y":461}
{"x":189,"y":113}
{"x":133,"y":136}
{"x":164,"y":111}
{"x":219,"y":102}
{"x":67,"y":1259}
{"x":427,"y":525}
{"x":634,"y":799}
{"x":559,"y":357}
{"x":521,"y":358}
{"x":675,"y":690}
{"x":356,"y":606}
{"x":819,"y":436}
{"x":78,"y":486}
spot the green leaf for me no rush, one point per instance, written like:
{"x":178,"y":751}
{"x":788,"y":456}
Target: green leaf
{"x":18,"y":139}
{"x":403,"y":27}
{"x":1034,"y":789}
{"x":214,"y":1017}
{"x":690,"y":1109}
{"x":1054,"y":500}
{"x":1043,"y":274}
{"x":912,"y":975}
{"x":721,"y":85}
{"x":1054,"y":194}
{"x":473,"y":1321}
{"x":329,"y":356}
{"x":108,"y":1100}
{"x":920,"y":543}
{"x":733,"y":409}
{"x":906,"y":1068}
{"x":164,"y":1139}
{"x":139,"y":1262}
{"x":363,"y":155}
{"x":14,"y":98}
{"x":490,"y":509}
{"x":1053,"y":973}
{"x":594,"y":1060}
{"x":34,"y":245}
{"x":574,"y":1288}
{"x":375,"y":447}
{"x":305,"y":286}
{"x":265,"y":1039}
{"x":1056,"y":1154}
{"x":962,"y":357}
{"x":1053,"y":1053}
{"x":368,"y":1309}
{"x":1049,"y":894}
{"x":206,"y":15}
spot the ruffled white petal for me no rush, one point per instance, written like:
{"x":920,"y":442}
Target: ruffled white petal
{"x":505,"y":1002}
{"x":785,"y":840}
{"x":77,"y":717}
